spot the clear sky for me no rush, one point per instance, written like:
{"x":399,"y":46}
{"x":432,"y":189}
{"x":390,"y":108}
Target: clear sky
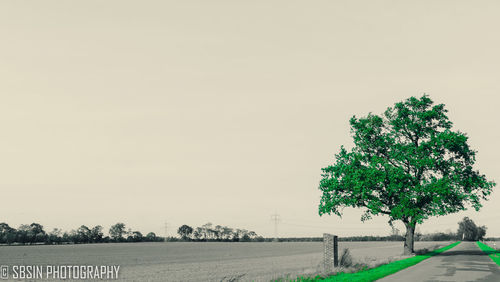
{"x":225,"y":111}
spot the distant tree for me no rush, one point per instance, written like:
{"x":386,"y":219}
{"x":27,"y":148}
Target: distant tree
{"x":54,"y":236}
{"x":237,"y":235}
{"x":245,"y":238}
{"x":218,"y":230}
{"x":66,"y":237}
{"x":31,"y":234}
{"x":185,"y":232}
{"x":7,"y":234}
{"x":84,"y":234}
{"x":73,"y":236}
{"x":136,"y":236}
{"x":407,"y":164}
{"x":117,"y":231}
{"x":469,"y":231}
{"x":197,"y":234}
{"x":96,"y":234}
{"x":227,"y":233}
{"x":207,"y":231}
{"x":36,"y":234}
{"x":252,"y":235}
{"x":151,"y":237}
{"x":259,"y":239}
{"x":243,"y":235}
{"x":481,"y":232}
{"x":22,"y":235}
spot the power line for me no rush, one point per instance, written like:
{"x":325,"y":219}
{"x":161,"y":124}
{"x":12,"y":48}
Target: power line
{"x":166,"y":231}
{"x":309,"y":226}
{"x":330,"y":226}
{"x":276,"y":218}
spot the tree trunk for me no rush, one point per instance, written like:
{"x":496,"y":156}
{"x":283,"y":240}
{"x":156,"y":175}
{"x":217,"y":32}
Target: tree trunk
{"x":409,"y":238}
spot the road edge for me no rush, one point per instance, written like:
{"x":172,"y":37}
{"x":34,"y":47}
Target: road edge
{"x":492,"y":253}
{"x":384,"y":270}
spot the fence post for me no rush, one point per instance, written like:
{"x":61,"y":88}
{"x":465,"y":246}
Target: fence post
{"x":331,"y":254}
{"x":335,"y":251}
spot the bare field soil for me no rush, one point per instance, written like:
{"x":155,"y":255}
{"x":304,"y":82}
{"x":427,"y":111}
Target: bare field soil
{"x":212,"y":261}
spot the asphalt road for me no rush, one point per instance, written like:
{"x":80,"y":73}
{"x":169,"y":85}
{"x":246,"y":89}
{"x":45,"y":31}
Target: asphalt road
{"x":465,"y":262}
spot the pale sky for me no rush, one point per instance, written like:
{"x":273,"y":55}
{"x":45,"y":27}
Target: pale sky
{"x":225,"y":111}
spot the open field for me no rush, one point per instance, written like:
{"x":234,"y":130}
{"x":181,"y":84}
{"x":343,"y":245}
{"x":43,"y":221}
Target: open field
{"x":211,"y":261}
{"x":493,"y":244}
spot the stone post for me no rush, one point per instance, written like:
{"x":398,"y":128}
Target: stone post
{"x":331,"y":254}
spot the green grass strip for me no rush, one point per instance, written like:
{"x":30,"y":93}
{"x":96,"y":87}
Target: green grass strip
{"x":381,"y":271}
{"x":492,"y":253}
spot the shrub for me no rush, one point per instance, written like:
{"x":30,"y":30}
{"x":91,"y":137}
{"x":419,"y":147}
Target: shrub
{"x":346,"y":258}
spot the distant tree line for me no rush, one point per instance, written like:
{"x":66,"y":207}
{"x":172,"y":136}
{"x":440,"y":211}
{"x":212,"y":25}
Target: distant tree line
{"x":349,"y":238}
{"x":373,"y":238}
{"x":35,"y":234}
{"x":218,"y":233}
{"x":467,"y":231}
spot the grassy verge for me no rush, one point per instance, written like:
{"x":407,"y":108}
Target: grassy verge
{"x":380,"y":271}
{"x":492,"y":253}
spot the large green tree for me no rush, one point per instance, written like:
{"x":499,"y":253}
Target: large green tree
{"x":408,"y":164}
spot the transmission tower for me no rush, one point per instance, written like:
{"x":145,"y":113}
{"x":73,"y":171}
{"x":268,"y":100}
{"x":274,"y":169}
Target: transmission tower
{"x":166,"y":231}
{"x":276,"y":218}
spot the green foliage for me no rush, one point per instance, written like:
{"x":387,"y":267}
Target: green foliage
{"x":492,"y":253}
{"x":407,"y":163}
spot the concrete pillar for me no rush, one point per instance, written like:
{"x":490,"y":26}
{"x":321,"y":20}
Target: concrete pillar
{"x":331,"y":254}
